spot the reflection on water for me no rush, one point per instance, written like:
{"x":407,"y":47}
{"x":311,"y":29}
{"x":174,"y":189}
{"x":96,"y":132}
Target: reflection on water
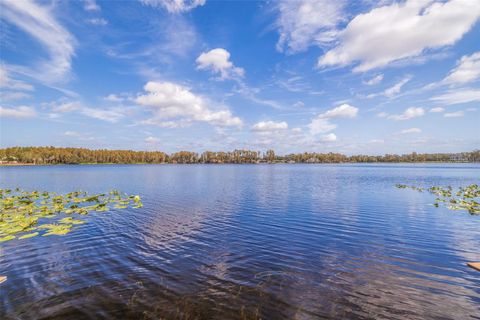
{"x":247,"y":242}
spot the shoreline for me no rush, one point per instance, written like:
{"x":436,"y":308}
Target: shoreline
{"x":225,"y":163}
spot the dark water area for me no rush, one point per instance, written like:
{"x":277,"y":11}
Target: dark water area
{"x":248,"y":242}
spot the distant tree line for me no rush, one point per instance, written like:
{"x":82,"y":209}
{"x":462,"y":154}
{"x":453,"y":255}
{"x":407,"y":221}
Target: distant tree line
{"x":53,"y":155}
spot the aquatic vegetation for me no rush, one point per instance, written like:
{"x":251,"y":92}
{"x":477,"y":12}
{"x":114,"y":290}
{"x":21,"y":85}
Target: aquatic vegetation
{"x":26,"y":214}
{"x":463,"y":198}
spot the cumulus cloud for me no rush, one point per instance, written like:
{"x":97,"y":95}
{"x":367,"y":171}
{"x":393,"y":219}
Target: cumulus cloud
{"x":269,"y":126}
{"x":175,"y":6}
{"x":343,"y":111}
{"x":437,"y":110}
{"x":456,"y":114}
{"x":175,"y":105}
{"x":409,"y":113}
{"x":218,"y":61}
{"x":322,"y":124}
{"x":458,"y":96}
{"x":402,"y":30}
{"x":17,"y":112}
{"x":410,"y":131}
{"x":307,"y":22}
{"x":467,"y":70}
{"x":41,"y":25}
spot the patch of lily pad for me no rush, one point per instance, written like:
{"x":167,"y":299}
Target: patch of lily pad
{"x":27,"y":214}
{"x":462,"y":198}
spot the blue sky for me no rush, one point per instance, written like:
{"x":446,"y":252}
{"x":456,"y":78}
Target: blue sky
{"x":345,"y":76}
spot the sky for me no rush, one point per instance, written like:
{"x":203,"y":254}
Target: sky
{"x":356,"y":77}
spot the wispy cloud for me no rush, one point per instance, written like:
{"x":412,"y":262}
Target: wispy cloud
{"x":175,"y":6}
{"x":8,"y":83}
{"x":410,"y":131}
{"x":456,"y":114}
{"x":375,"y":80}
{"x":17,"y":112}
{"x":437,"y":110}
{"x":467,"y":70}
{"x":40,"y":23}
{"x":305,"y":23}
{"x":458,"y":96}
{"x":97,"y":21}
{"x":91,"y":5}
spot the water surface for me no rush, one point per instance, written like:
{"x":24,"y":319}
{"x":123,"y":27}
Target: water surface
{"x":249,"y":241}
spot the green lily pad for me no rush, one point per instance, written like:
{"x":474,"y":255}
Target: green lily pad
{"x":29,"y":235}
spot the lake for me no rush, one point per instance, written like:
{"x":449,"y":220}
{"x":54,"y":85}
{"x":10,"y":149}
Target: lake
{"x":249,"y":241}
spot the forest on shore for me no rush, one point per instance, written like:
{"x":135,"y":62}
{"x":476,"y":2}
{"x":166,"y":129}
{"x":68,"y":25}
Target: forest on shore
{"x":54,"y":155}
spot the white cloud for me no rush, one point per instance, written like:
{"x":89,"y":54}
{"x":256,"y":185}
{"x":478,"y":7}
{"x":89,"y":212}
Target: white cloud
{"x":17,"y":112}
{"x":343,"y":111}
{"x":467,"y":70}
{"x":252,"y":95}
{"x":410,"y":131}
{"x":328,"y":137}
{"x":218,"y":61}
{"x":79,"y":136}
{"x":304,"y":23}
{"x":109,"y":115}
{"x":174,"y":104}
{"x":437,"y":110}
{"x":375,"y":80}
{"x":456,"y":114}
{"x":175,"y":6}
{"x":67,"y":107}
{"x":41,"y":25}
{"x":98,"y":21}
{"x":13,"y":95}
{"x":269,"y":126}
{"x":112,"y":115}
{"x":401,"y":30}
{"x":152,"y":140}
{"x":393,"y":90}
{"x":299,"y":104}
{"x":409,"y":113}
{"x":91,"y":5}
{"x":8,"y":83}
{"x":113,"y":98}
{"x":458,"y":96}
{"x":321,"y":125}
{"x":382,"y":114}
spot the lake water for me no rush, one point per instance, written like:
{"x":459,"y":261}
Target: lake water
{"x":249,"y":241}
